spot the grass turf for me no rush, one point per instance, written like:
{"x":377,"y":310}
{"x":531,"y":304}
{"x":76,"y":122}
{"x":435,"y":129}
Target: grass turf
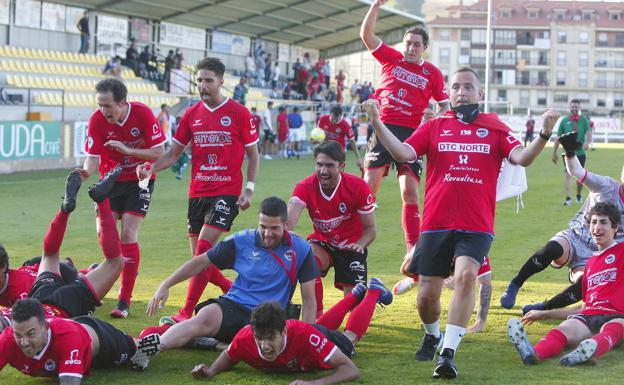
{"x":386,"y":354}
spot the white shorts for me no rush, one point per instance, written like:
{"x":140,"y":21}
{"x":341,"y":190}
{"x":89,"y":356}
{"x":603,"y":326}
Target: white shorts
{"x":296,"y":134}
{"x":580,"y":250}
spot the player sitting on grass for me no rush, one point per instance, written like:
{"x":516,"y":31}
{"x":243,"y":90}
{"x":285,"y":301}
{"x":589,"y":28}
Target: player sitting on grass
{"x":602,"y":315}
{"x":273,"y":344}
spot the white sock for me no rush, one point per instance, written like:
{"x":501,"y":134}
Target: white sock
{"x":452,"y":337}
{"x":433,"y":328}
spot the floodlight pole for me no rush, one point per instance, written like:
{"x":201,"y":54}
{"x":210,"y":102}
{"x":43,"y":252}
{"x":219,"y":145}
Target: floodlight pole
{"x":488,"y":32}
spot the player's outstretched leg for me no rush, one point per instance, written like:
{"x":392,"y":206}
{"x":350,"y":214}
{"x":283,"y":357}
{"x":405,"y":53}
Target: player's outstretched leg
{"x":333,"y":317}
{"x":583,"y":352}
{"x":610,"y":336}
{"x":520,"y":340}
{"x":102,"y":189}
{"x":360,"y":317}
{"x":147,"y":348}
{"x":71,"y":192}
{"x":570,"y":295}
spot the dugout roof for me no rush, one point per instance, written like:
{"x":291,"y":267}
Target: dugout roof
{"x":331,"y":26}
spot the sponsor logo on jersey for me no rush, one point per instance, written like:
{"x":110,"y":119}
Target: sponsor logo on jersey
{"x":446,"y":133}
{"x":288,"y":255}
{"x":226,"y":121}
{"x":482,"y":132}
{"x":480,"y":148}
{"x":135,"y":132}
{"x":410,"y":78}
{"x":342,"y":207}
{"x":425,"y":71}
{"x":222,"y":207}
{"x":465,"y":132}
{"x":110,"y":134}
{"x":463,"y":159}
{"x":212,"y":138}
{"x":89,"y":142}
{"x":402,"y":92}
{"x":369,"y":199}
{"x":213,"y":178}
{"x":73,"y":358}
{"x":601,"y":278}
{"x":327,"y":225}
{"x":357,"y":266}
{"x":155,"y":129}
{"x":511,"y":139}
{"x":610,"y":259}
{"x":252,"y":123}
{"x":49,"y":365}
{"x":221,"y":221}
{"x":197,"y":122}
{"x":145,"y":194}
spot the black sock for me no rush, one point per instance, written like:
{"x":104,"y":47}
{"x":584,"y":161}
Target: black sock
{"x":538,"y":262}
{"x":570,"y":295}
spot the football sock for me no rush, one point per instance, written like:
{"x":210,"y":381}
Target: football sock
{"x":132,"y":257}
{"x":452,"y":337}
{"x":410,"y":219}
{"x":109,"y":236}
{"x":571,"y":294}
{"x":198,"y":282}
{"x":56,"y":232}
{"x":361,"y":316}
{"x":551,"y":345}
{"x":610,"y":336}
{"x":218,"y":279}
{"x":333,"y":317}
{"x":433,"y":328}
{"x":538,"y":262}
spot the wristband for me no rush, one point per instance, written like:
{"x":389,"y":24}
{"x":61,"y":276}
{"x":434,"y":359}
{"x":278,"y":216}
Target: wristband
{"x":250,"y":185}
{"x":545,"y":137}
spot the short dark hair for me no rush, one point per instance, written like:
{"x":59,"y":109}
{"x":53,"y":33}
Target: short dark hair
{"x":254,"y":109}
{"x":296,"y":109}
{"x":213,"y":64}
{"x":114,"y":86}
{"x":575,"y":101}
{"x":162,"y":106}
{"x":418,"y":31}
{"x":269,"y":103}
{"x":268,"y":318}
{"x":25,"y":309}
{"x":281,"y":109}
{"x":4,"y":258}
{"x":468,"y":69}
{"x":332,"y":149}
{"x":336,"y":110}
{"x":608,"y":209}
{"x":274,"y":207}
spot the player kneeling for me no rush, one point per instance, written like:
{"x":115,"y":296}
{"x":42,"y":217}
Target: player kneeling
{"x":41,"y":347}
{"x":602,"y":314}
{"x":273,"y":344}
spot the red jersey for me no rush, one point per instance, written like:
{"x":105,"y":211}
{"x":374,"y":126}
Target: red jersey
{"x":282,"y":127}
{"x":336,"y":218}
{"x":463,"y":163}
{"x":603,"y":286}
{"x":49,"y":311}
{"x":138,"y":130}
{"x":336,"y":132}
{"x":257,"y":120}
{"x":17,"y":285}
{"x":67,"y":352}
{"x":405,"y":88}
{"x":305,"y":349}
{"x":219,"y":136}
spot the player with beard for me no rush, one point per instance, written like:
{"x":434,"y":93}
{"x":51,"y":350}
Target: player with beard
{"x":342,"y":210}
{"x":221,"y":132}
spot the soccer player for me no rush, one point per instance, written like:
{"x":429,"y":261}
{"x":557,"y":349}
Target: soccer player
{"x":221,"y":132}
{"x":575,"y":122}
{"x":464,"y":150}
{"x":58,"y":347}
{"x":599,"y":325}
{"x":269,"y":134}
{"x":296,"y":131}
{"x":127,"y":134}
{"x":282,"y":131}
{"x":342,"y":210}
{"x":338,"y":129}
{"x":273,"y":344}
{"x":406,"y":85}
{"x":269,"y":262}
{"x":573,"y":246}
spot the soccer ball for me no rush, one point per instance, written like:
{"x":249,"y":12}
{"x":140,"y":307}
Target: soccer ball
{"x":317,"y":135}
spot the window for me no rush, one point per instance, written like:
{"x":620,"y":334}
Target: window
{"x":561,"y":76}
{"x":583,"y":59}
{"x":601,"y":59}
{"x":532,"y":14}
{"x":618,"y":100}
{"x":541,"y":98}
{"x":543,"y":58}
{"x":524,"y":98}
{"x":583,"y":97}
{"x":584,"y":37}
{"x":603,"y":39}
{"x":502,"y":95}
{"x":619,"y":59}
{"x":505,"y":37}
{"x":478,"y":36}
{"x":559,"y":14}
{"x":561,"y":58}
{"x":587,"y":15}
{"x":466,"y":34}
{"x":525,"y":55}
{"x":582,"y":79}
{"x":561,"y":98}
{"x":523,"y":78}
{"x":505,"y":57}
{"x":445,"y":34}
{"x":477,"y":56}
{"x":445,"y":56}
{"x":464,"y":51}
{"x":506,"y":14}
{"x":618,"y":81}
{"x":562,"y":37}
{"x":615,"y":16}
{"x":601,"y":100}
{"x":601,"y":79}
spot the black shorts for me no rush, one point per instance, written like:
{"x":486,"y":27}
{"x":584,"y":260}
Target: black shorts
{"x":68,"y":272}
{"x":116,"y":347}
{"x":128,"y":197}
{"x":76,"y":298}
{"x":339,"y":339}
{"x":377,"y":156}
{"x":436,"y":251}
{"x":596,"y":321}
{"x":235,"y":317}
{"x":582,"y":159}
{"x":216,"y":212}
{"x":269,"y":136}
{"x":350,"y":268}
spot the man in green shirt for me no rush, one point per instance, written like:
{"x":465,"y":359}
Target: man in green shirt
{"x":575,"y":122}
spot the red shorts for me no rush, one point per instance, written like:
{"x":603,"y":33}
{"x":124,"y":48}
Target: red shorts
{"x":283,"y":136}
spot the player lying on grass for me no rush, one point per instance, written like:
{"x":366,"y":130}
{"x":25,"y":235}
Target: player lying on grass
{"x":573,"y":246}
{"x":69,"y":349}
{"x":273,"y":344}
{"x":602,"y":314}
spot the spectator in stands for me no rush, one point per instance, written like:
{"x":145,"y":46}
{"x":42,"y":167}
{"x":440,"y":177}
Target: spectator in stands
{"x":179,"y":59}
{"x":268,"y":68}
{"x":307,"y":62}
{"x":297,"y":66}
{"x":260,"y":67}
{"x":318,"y":70}
{"x":113,"y":67}
{"x":274,"y":93}
{"x":83,"y":27}
{"x":276,"y":72}
{"x":250,"y":67}
{"x":240,"y":92}
{"x":327,"y":72}
{"x":269,"y":134}
{"x":331,"y":95}
{"x":313,"y":88}
{"x":355,"y":91}
{"x":302,"y":81}
{"x":145,"y":68}
{"x":340,"y":80}
{"x":365,"y":92}
{"x":132,"y":57}
{"x":287,"y":93}
{"x":169,"y":65}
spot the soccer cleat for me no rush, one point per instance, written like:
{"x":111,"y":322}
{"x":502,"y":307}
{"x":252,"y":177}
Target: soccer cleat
{"x":508,"y":299}
{"x":172,"y":319}
{"x":567,"y":202}
{"x":386,"y":295}
{"x":359,"y":290}
{"x":429,"y":346}
{"x":122,"y":310}
{"x":102,"y":189}
{"x":520,"y":340}
{"x":148,"y":347}
{"x":203,"y":343}
{"x":71,"y":192}
{"x":446,"y":367}
{"x":583,"y":352}
{"x":533,"y":306}
{"x":579,"y":199}
{"x":403,"y":286}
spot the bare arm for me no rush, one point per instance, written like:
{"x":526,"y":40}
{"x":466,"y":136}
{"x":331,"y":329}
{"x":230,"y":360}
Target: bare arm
{"x":400,"y":152}
{"x":524,"y":156}
{"x":309,"y":301}
{"x":485,"y":297}
{"x":69,"y":380}
{"x":294,"y":212}
{"x":345,"y":371}
{"x":369,"y":232}
{"x":563,"y":313}
{"x":165,"y":161}
{"x":142,"y":153}
{"x":358,"y":159}
{"x":90,"y":165}
{"x":588,"y":139}
{"x":221,"y":364}
{"x":367,"y":31}
{"x":253,"y":163}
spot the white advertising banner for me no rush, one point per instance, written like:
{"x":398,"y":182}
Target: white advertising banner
{"x":28,"y":13}
{"x":72,"y":16}
{"x":53,"y":17}
{"x":180,"y":36}
{"x":80,"y":138}
{"x":283,"y":52}
{"x":112,"y":35}
{"x":4,"y":11}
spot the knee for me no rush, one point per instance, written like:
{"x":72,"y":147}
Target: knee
{"x":409,"y":194}
{"x":427,"y":298}
{"x":465,"y":280}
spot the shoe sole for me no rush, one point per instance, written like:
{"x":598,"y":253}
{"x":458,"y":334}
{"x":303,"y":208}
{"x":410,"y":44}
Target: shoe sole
{"x":444,"y":371}
{"x":434,"y":352}
{"x":520,"y":340}
{"x":147,"y":348}
{"x":386,"y":295}
{"x":102,"y":189}
{"x":583,"y":352}
{"x":116,"y":313}
{"x":71,"y":191}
